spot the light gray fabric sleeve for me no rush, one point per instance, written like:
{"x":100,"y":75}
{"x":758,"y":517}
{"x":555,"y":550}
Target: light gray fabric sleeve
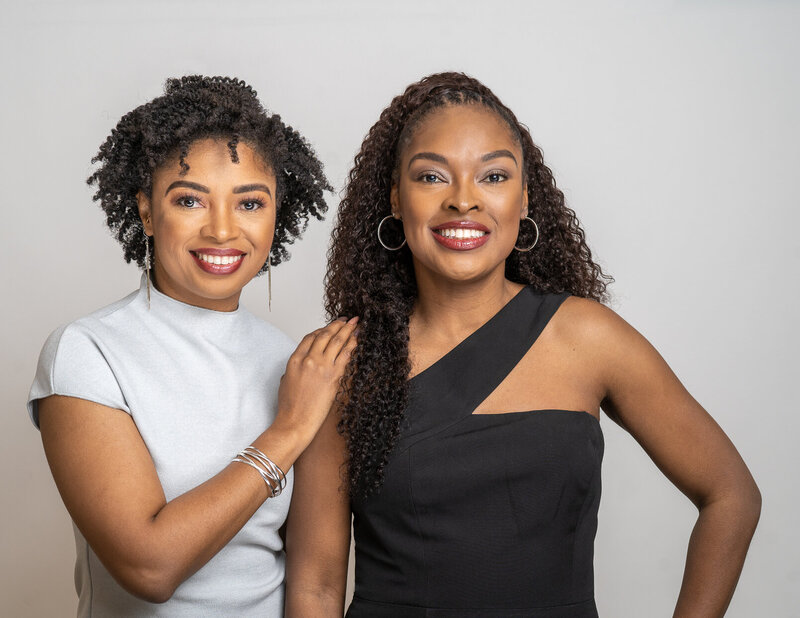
{"x":72,"y":363}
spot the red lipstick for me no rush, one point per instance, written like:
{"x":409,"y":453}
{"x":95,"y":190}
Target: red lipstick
{"x":229,"y":260}
{"x":461,"y":235}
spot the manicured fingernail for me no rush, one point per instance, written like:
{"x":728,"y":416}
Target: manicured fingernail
{"x":341,"y":319}
{"x":352,"y":320}
{"x":356,"y":331}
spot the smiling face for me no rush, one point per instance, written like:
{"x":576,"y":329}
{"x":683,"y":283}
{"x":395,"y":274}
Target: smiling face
{"x":213,"y":226}
{"x":461,"y":193}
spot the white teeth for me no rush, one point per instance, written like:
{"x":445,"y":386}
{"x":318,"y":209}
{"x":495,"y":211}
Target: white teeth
{"x":461,"y":233}
{"x":220,"y":259}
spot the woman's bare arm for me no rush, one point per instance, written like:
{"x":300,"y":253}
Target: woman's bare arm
{"x":645,"y":397}
{"x":109,"y":484}
{"x":318,"y":529}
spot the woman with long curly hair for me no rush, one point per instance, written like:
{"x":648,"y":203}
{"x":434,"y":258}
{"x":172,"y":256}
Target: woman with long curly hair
{"x":164,"y":417}
{"x":468,"y":426}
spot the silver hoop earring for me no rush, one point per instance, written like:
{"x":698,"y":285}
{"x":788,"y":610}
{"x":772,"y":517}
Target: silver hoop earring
{"x":380,"y":240}
{"x":536,"y":228}
{"x":147,"y":264}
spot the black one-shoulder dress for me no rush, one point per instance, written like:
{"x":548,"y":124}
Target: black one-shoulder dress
{"x":483,"y":515}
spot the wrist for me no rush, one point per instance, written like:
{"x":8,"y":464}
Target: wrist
{"x":286,"y":439}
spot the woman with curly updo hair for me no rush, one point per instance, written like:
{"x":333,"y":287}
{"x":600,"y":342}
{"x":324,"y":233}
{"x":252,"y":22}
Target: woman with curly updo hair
{"x":469,"y":423}
{"x":171,"y":419}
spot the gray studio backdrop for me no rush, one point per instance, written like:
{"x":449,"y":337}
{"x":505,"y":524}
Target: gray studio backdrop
{"x":672,"y":127}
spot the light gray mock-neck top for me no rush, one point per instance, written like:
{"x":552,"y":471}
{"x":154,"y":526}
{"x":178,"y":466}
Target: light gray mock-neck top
{"x":200,"y":385}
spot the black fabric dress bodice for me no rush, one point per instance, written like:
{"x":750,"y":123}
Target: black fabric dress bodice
{"x":483,"y":515}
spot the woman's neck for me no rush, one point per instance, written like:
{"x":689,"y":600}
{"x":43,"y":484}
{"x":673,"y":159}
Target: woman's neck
{"x":454,"y":309}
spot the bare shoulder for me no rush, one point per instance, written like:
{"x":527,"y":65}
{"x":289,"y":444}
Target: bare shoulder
{"x":603,"y":346}
{"x":589,"y":324}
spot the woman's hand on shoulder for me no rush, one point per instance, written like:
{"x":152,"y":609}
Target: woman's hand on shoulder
{"x":110,"y":486}
{"x":313,"y":377}
{"x":318,"y":526}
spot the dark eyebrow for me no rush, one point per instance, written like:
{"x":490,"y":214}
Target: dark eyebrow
{"x":252,"y":187}
{"x":427,"y":155}
{"x":187,"y":185}
{"x":496,"y":154}
{"x":203,"y":189}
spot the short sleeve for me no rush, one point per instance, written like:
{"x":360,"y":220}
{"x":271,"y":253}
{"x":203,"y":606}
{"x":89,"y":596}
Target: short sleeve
{"x":72,"y":363}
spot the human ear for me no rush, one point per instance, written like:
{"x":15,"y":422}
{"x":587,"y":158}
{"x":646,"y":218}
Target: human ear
{"x":524,"y":210}
{"x":145,"y":212}
{"x":394,"y":200}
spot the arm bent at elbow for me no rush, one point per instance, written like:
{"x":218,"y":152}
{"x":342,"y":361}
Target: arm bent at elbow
{"x":150,"y":545}
{"x":109,"y":485}
{"x":645,"y":397}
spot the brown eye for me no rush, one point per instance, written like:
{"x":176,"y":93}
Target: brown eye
{"x":252,"y":205}
{"x":430,"y":178}
{"x":187,"y":201}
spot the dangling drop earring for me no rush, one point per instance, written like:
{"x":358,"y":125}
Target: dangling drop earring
{"x":147,"y":265}
{"x":269,"y":282}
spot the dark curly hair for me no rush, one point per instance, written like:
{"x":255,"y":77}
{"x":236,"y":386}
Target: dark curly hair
{"x":192,"y":108}
{"x":379,"y":286}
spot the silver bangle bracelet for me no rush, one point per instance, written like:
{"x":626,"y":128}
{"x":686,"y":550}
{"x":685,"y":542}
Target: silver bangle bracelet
{"x":273,"y":476}
{"x":274,"y":471}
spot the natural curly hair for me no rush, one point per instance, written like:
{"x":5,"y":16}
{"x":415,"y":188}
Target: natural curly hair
{"x":379,"y":286}
{"x":193,"y":108}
